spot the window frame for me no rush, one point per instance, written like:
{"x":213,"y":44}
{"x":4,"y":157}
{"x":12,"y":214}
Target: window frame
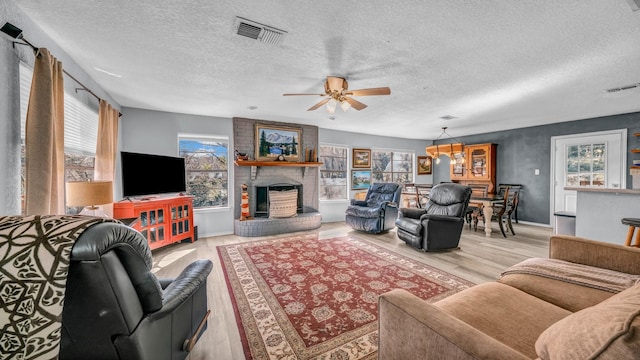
{"x":217,"y":138}
{"x":347,"y":150}
{"x":411,"y":172}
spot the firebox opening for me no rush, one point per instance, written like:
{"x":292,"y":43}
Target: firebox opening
{"x":262,"y":197}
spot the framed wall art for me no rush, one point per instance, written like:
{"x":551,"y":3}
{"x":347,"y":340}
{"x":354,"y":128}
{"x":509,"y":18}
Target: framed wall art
{"x":361,"y":158}
{"x":274,"y":141}
{"x":360,"y":179}
{"x":424,"y":166}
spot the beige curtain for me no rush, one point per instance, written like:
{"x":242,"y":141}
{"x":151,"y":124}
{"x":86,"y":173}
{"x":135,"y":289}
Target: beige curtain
{"x":44,"y":138}
{"x":106,"y":147}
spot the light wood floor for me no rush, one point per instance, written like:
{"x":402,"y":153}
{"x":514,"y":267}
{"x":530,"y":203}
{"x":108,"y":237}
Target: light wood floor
{"x":479,"y":259}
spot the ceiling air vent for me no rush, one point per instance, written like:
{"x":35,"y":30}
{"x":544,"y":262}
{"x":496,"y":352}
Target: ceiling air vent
{"x":257,"y":31}
{"x":621,"y":88}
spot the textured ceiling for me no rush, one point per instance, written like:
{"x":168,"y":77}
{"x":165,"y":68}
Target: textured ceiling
{"x":494,"y":65}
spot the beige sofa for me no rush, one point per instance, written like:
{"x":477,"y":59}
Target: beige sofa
{"x":556,"y":312}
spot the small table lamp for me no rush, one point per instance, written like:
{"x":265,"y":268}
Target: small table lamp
{"x":89,"y":194}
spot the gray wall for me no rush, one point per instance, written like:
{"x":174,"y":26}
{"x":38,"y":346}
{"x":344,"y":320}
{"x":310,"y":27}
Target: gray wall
{"x":155,"y":132}
{"x":333,"y":210}
{"x":521,"y":151}
{"x":10,"y":96}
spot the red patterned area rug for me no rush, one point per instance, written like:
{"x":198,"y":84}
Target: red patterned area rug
{"x":304,"y":298}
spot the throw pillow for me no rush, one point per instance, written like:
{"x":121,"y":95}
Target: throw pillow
{"x":608,"y":330}
{"x":283,"y":204}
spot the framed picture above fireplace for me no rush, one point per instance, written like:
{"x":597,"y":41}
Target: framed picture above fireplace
{"x":273,"y":141}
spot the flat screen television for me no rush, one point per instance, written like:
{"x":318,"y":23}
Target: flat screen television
{"x":146,"y":174}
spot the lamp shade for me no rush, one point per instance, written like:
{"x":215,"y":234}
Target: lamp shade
{"x":89,"y":193}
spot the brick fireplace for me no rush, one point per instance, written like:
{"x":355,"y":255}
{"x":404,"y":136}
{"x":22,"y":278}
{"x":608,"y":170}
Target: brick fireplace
{"x":308,"y":217}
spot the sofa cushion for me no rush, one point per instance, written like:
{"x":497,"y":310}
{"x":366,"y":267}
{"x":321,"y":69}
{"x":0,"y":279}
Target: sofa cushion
{"x":609,"y":330}
{"x":508,"y":315}
{"x":555,"y":291}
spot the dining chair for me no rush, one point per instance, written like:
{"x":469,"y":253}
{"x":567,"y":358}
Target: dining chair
{"x":409,"y":196}
{"x":422,"y":193}
{"x":477,"y":190}
{"x":501,"y":212}
{"x":514,"y":189}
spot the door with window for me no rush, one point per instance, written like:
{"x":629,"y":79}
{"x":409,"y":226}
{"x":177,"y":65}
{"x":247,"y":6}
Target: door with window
{"x":586,"y":160}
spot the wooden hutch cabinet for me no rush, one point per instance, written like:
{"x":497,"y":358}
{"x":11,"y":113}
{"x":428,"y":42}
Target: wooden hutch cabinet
{"x":478,"y":166}
{"x":161,"y":221}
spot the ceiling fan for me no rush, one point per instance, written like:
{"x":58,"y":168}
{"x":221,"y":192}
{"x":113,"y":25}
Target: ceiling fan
{"x":336,"y":91}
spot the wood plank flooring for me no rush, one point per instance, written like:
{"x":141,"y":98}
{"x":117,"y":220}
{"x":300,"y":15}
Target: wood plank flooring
{"x":479,"y":259}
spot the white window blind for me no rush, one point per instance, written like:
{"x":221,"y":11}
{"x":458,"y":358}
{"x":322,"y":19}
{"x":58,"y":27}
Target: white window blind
{"x":80,"y":121}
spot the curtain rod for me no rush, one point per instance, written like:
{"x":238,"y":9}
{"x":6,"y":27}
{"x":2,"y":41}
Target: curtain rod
{"x":16,"y":33}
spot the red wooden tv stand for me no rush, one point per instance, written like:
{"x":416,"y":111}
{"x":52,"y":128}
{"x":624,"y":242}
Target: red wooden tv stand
{"x":162,"y":221}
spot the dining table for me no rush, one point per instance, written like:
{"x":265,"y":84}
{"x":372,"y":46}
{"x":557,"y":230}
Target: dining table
{"x":486,"y":201}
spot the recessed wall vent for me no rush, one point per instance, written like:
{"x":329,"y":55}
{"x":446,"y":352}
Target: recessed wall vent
{"x":622,"y":88}
{"x":257,"y":31}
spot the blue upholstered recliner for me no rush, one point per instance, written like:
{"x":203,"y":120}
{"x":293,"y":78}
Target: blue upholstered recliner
{"x":378,"y":211}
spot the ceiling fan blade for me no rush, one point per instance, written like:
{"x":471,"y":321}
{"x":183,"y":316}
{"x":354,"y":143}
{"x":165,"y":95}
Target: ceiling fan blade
{"x":373,"y":91}
{"x":319,"y":104}
{"x":355,"y":103}
{"x":304,"y":94}
{"x":336,"y":83}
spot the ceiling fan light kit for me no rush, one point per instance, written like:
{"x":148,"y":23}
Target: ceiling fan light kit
{"x":336,"y":91}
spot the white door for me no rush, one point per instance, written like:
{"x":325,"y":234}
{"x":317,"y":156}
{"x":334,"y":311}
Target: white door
{"x":586,"y":160}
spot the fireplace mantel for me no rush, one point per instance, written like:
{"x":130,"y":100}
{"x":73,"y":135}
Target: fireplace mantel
{"x":256,"y":164}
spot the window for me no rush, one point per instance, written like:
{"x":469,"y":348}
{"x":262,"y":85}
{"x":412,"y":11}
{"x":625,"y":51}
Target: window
{"x":586,"y":165}
{"x":80,"y":134}
{"x":207,"y":163}
{"x":392,"y":166}
{"x":333,"y":173}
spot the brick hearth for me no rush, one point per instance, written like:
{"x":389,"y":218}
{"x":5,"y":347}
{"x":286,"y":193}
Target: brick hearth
{"x":264,"y":226}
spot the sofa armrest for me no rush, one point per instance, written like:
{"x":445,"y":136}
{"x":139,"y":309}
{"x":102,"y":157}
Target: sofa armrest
{"x":595,"y":253}
{"x":410,"y":328}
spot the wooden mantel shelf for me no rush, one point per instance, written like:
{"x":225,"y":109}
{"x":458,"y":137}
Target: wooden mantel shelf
{"x":256,"y":164}
{"x":277,"y":163}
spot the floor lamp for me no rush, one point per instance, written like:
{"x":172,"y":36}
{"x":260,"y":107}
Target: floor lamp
{"x":89,"y":194}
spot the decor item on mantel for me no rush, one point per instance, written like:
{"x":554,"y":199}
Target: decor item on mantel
{"x":310,"y":155}
{"x":241,"y":156}
{"x":274,"y":141}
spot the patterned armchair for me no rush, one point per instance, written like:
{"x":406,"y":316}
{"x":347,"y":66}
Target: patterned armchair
{"x":378,"y":211}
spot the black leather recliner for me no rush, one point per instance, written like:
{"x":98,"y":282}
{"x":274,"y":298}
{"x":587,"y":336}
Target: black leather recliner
{"x":115,"y":307}
{"x":378,"y":211}
{"x":439,"y":225}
